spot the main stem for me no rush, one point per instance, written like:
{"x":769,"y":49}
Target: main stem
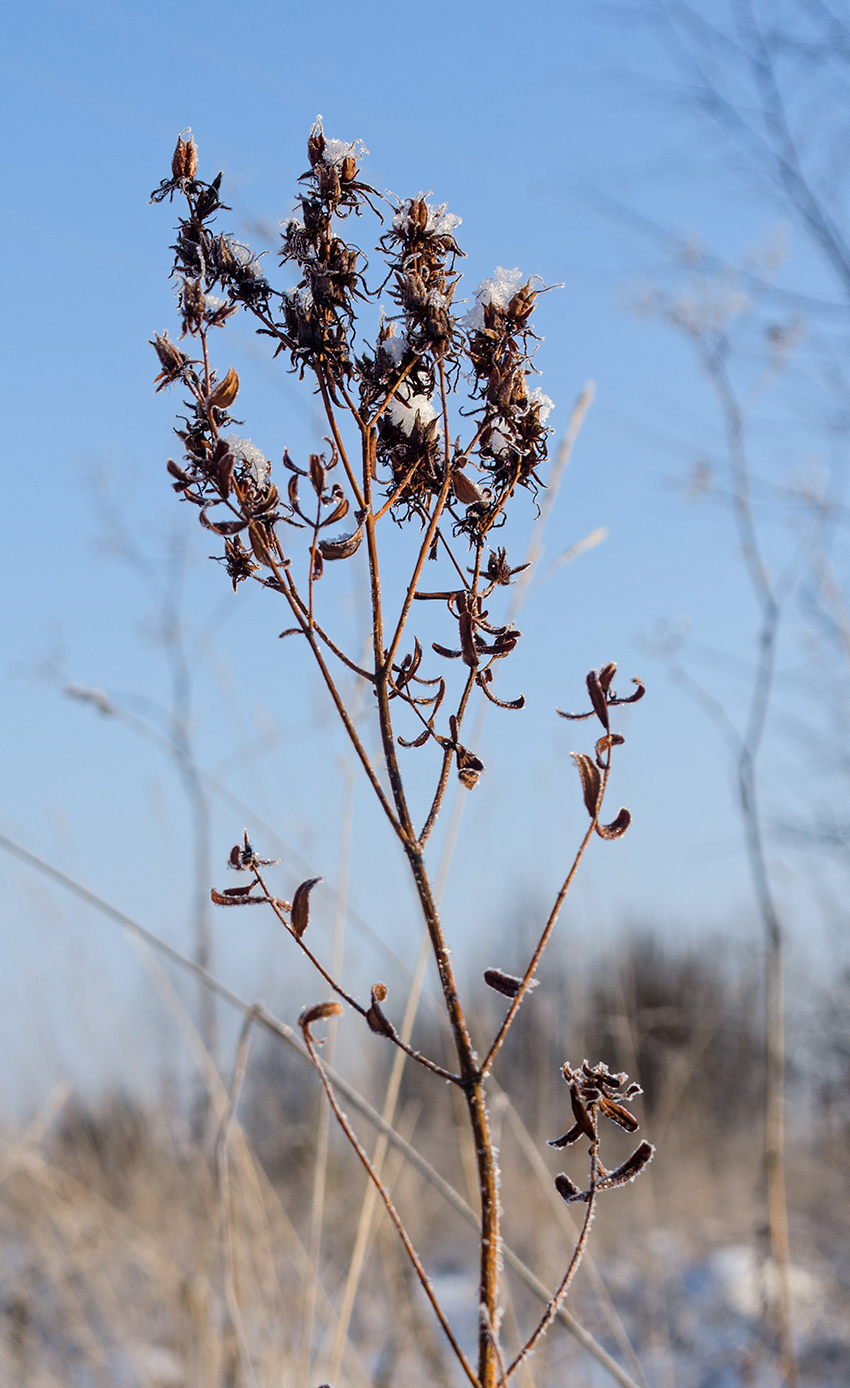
{"x":468,"y":1067}
{"x":473,"y":1089}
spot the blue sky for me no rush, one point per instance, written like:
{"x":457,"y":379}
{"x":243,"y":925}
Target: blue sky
{"x":517,"y":117}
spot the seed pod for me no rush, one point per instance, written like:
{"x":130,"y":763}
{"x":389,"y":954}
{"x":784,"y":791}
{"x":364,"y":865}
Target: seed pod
{"x":619,"y":1115}
{"x":184,"y":161}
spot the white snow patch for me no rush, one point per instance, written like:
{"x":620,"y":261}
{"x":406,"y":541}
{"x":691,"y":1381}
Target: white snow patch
{"x":498,"y":442}
{"x":395,"y":347}
{"x":336,"y":151}
{"x":253,"y":457}
{"x":440,"y":222}
{"x":404,"y":408}
{"x":498,"y":290}
{"x":749,"y":1283}
{"x":545,"y":405}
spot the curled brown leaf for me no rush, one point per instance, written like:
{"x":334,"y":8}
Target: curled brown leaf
{"x":343,"y":547}
{"x":597,"y":697}
{"x":235,"y":896}
{"x":591,"y":781}
{"x":567,"y":1189}
{"x":300,"y":917}
{"x":223,"y":395}
{"x":617,"y":827}
{"x":318,"y":1013}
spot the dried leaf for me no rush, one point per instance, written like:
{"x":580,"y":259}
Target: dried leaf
{"x":220,"y":527}
{"x":617,"y":828}
{"x":597,"y":698}
{"x":466,"y":631}
{"x":469,"y":768}
{"x":581,"y":1115}
{"x":223,"y":395}
{"x":630,"y":1168}
{"x":343,"y":547}
{"x":236,"y":897}
{"x":502,"y":982}
{"x":567,"y":1140}
{"x":293,"y":631}
{"x":444,"y":650}
{"x":604,"y":744}
{"x":300,"y":917}
{"x":417,"y":741}
{"x":466,"y":491}
{"x":375,"y":1018}
{"x":318,"y":473}
{"x":591,"y":781}
{"x":606,"y":675}
{"x":618,"y":1115}
{"x":319,"y":1013}
{"x":567,"y":1189}
{"x":633,"y":698}
{"x":340,"y":511}
{"x":500,"y":703}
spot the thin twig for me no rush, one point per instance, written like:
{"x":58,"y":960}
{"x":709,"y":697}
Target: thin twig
{"x":544,"y":938}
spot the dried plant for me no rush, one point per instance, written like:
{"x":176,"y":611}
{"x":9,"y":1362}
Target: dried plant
{"x":397,"y":407}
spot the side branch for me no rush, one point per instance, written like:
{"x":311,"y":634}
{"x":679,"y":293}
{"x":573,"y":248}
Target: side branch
{"x":578,"y":1253}
{"x":446,"y":767}
{"x":285,"y":585}
{"x":544,"y":938}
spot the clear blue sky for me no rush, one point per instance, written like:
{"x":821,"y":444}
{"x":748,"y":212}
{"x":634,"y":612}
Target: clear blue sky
{"x":510,"y":114}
